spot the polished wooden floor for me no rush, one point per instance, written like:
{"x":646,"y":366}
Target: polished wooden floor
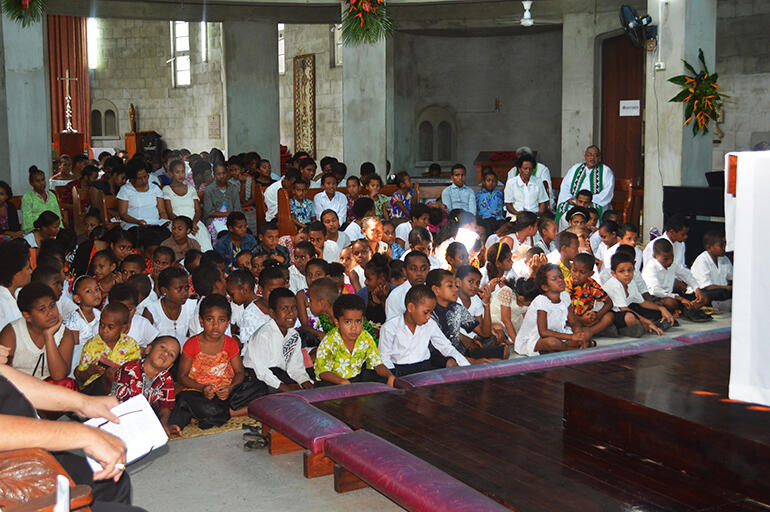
{"x":506,"y":437}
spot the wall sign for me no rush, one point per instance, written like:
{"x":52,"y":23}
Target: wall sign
{"x":630,"y":108}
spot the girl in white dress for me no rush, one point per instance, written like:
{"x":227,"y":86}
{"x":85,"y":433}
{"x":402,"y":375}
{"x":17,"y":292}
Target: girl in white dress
{"x":182,"y":199}
{"x":549,"y":324}
{"x":509,"y":304}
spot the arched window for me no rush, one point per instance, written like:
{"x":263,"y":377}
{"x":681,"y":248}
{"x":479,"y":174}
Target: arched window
{"x":96,"y":123}
{"x":426,"y":141}
{"x":110,"y":126}
{"x":436,"y":136}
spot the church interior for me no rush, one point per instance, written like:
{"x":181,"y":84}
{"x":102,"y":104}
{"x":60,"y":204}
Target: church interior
{"x":635,"y":423}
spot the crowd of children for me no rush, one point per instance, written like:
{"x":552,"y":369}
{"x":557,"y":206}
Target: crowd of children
{"x":371,"y":286}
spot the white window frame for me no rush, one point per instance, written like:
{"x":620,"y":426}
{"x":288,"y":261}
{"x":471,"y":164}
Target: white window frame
{"x":281,"y":50}
{"x":336,"y":44}
{"x":180,"y":55}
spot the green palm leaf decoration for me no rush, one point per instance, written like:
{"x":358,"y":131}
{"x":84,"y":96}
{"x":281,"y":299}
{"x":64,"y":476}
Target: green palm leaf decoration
{"x":366,"y":22}
{"x":701,"y":95}
{"x":24,"y":12}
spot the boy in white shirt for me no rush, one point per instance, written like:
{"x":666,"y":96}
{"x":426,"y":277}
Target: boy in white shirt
{"x":416,"y":268}
{"x":405,"y":339}
{"x":303,"y":252}
{"x":274,"y":352}
{"x":419,"y":216}
{"x":713,"y":270}
{"x":331,"y":198}
{"x":660,"y":275}
{"x":634,"y":314}
{"x":609,"y":235}
{"x":677,"y":229}
{"x":363,"y":207}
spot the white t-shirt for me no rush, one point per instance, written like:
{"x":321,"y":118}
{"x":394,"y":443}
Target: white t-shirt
{"x":394,"y":304}
{"x":476,"y":309}
{"x":557,"y":314}
{"x":181,"y":205}
{"x":402,"y":232}
{"x":620,"y":297}
{"x":249,"y":320}
{"x":353,"y":232}
{"x":271,"y":200}
{"x":679,"y":251}
{"x":297,"y":281}
{"x":86,"y":330}
{"x":141,"y":205}
{"x":331,"y":251}
{"x":338,"y":203}
{"x":142,"y":331}
{"x":708,"y":273}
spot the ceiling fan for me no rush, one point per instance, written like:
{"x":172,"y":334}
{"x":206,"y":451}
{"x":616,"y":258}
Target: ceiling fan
{"x":526,"y":19}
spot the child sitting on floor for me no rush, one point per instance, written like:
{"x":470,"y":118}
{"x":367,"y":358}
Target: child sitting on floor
{"x":376,"y":289}
{"x":240,"y":288}
{"x":207,"y":280}
{"x":419,"y":217}
{"x":268,"y":243}
{"x":211,"y":372}
{"x":635,"y":314}
{"x":353,"y":185}
{"x":150,"y":377}
{"x":139,"y":328}
{"x":106,"y":351}
{"x":549,"y":325}
{"x":373,"y":185}
{"x":274,"y":352}
{"x":405,"y":340}
{"x":362,"y":253}
{"x":416,"y":268}
{"x":180,"y":241}
{"x":37,"y":343}
{"x":303,"y":252}
{"x":584,"y":292}
{"x":236,"y":239}
{"x":103,"y":268}
{"x":389,"y":237}
{"x":371,"y":227}
{"x":452,"y":318}
{"x":348,"y":353}
{"x":171,"y":314}
{"x":456,"y":256}
{"x":310,"y":325}
{"x":660,"y":275}
{"x":162,"y":258}
{"x":401,"y":201}
{"x":608,"y":232}
{"x":568,"y":249}
{"x":546,"y":234}
{"x":714,"y":272}
{"x":84,"y":322}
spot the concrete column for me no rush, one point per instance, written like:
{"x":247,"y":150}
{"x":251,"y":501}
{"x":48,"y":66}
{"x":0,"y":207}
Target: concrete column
{"x":364,"y":106}
{"x":250,"y":51}
{"x":672,"y":155}
{"x":25,"y":118}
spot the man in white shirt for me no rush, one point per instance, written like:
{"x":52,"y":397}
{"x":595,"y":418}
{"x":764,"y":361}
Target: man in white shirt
{"x":591,"y":175}
{"x":271,"y":193}
{"x":713,"y":270}
{"x":416,"y":268}
{"x":541,"y":173}
{"x":677,"y":229}
{"x":524,"y":192}
{"x":274,"y":352}
{"x":404,"y":339}
{"x":331,"y":198}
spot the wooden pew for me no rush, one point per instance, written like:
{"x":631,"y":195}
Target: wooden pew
{"x":287,"y":227}
{"x":627,"y":199}
{"x":109,"y":208}
{"x":31,"y":473}
{"x":65,"y":208}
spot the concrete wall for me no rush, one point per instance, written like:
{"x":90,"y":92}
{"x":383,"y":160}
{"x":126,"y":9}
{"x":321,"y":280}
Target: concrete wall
{"x":25,"y":118}
{"x":132,"y":69}
{"x":743,"y":64}
{"x":465,"y":75}
{"x":316,"y":39}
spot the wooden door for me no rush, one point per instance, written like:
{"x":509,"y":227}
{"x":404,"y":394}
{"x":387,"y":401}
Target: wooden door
{"x":622,"y":81}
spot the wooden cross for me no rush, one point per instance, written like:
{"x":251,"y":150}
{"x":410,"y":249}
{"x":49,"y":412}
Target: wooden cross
{"x":68,"y":99}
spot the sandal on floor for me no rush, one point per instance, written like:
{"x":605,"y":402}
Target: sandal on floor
{"x":255,"y":444}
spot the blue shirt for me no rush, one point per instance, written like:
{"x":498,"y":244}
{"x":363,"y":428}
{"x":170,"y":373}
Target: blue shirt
{"x":490,"y":204}
{"x":455,"y":197}
{"x":304,"y":211}
{"x":396,"y":250}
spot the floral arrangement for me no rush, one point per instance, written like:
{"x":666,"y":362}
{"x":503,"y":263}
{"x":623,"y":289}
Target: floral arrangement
{"x":25,"y":12}
{"x":365,"y":22}
{"x":701,"y":95}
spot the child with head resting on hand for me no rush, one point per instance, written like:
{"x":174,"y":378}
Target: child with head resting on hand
{"x":274,"y":352}
{"x":106,"y":351}
{"x":348,"y":353}
{"x":150,"y":377}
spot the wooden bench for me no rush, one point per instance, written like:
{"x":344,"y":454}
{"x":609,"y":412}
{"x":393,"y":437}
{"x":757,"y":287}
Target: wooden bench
{"x":28,"y":483}
{"x":286,"y":226}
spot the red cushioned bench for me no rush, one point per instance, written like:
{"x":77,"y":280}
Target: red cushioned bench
{"x":364,"y":459}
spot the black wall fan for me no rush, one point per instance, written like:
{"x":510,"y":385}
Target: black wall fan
{"x":635,"y":26}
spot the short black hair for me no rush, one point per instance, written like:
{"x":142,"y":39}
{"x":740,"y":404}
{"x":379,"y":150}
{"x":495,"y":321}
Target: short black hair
{"x":328,"y":175}
{"x":418,"y":294}
{"x":117,"y":308}
{"x":337,"y":269}
{"x":164,"y":250}
{"x":317,"y":225}
{"x":184,"y":219}
{"x":453,"y":249}
{"x":712,"y":237}
{"x":584,"y":259}
{"x":318,"y":262}
{"x":396,"y":269}
{"x":268,"y":226}
{"x":367,"y":168}
{"x":565,"y":239}
{"x":241,"y":277}
{"x":676,"y":222}
{"x":278,"y":294}
{"x":270,"y":273}
{"x":15,"y":258}
{"x":348,"y":302}
{"x":167,"y":275}
{"x":362,"y":205}
{"x":212,"y":257}
{"x":203,"y":279}
{"x":44,"y":273}
{"x":419,"y":235}
{"x":609,"y":214}
{"x":662,"y":246}
{"x":578,"y":210}
{"x":623,"y":229}
{"x":585,"y":192}
{"x":467,"y":270}
{"x":610,"y":226}
{"x":136,"y":259}
{"x":123,"y":292}
{"x":378,"y":265}
{"x":234,"y":217}
{"x":306,"y":247}
{"x":415,"y":254}
{"x":418,"y":210}
{"x":141,"y":284}
{"x":619,"y":258}
{"x":31,"y":294}
{"x":215,"y":301}
{"x":436,"y":277}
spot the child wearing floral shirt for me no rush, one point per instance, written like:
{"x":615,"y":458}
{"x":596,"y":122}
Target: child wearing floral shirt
{"x":302,"y":209}
{"x":150,"y":377}
{"x":348,"y":353}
